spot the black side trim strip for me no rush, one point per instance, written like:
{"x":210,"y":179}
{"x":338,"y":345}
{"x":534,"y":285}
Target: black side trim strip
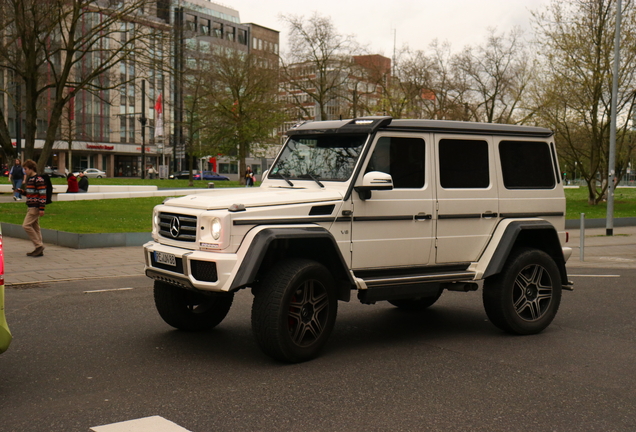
{"x":381,"y":218}
{"x":343,"y":219}
{"x":460,"y":216}
{"x":290,"y":221}
{"x":530,"y":215}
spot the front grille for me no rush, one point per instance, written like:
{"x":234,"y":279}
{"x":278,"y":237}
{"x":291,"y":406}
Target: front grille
{"x":178,"y":227}
{"x":204,"y":271}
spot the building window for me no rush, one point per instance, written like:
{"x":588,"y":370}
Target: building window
{"x":229,"y":33}
{"x":242,"y":36}
{"x":191,"y":22}
{"x":217,"y":30}
{"x":228,"y":168}
{"x":204,"y":27}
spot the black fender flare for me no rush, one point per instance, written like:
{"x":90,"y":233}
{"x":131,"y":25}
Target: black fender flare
{"x":535,"y":233}
{"x":261,"y":242}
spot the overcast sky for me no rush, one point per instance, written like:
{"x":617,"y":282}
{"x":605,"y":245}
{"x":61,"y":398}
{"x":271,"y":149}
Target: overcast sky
{"x":415,"y":22}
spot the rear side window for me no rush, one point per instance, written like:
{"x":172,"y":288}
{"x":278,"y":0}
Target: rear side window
{"x":526,"y":165}
{"x":463,"y":164}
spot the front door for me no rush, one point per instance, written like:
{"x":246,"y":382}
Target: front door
{"x":395,"y":227}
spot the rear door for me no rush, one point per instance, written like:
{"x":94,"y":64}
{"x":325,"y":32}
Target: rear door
{"x":467,"y":199}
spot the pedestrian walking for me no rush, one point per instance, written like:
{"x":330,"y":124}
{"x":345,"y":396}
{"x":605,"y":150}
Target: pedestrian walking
{"x":35,"y":192}
{"x":16,"y":176}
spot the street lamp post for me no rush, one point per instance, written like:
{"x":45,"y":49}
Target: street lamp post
{"x":143,"y":120}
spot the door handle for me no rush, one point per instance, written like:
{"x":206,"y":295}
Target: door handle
{"x":489,"y":215}
{"x":422,"y":216}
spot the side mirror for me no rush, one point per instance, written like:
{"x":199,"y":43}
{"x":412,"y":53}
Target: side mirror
{"x":374,"y":180}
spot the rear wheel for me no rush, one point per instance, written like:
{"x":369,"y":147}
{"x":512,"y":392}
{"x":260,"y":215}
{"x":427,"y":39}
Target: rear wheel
{"x":525,"y":297}
{"x":189,"y":310}
{"x":294,"y":310}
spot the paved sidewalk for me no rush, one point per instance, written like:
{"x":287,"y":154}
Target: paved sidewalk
{"x":62,"y":264}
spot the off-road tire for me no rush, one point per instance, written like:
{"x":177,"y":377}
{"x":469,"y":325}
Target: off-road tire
{"x":294,"y":310}
{"x":525,"y":297}
{"x":189,"y":310}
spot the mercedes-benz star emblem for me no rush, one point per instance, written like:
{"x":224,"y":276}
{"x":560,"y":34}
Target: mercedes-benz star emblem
{"x":175,"y":227}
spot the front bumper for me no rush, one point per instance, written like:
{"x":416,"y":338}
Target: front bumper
{"x":200,"y":270}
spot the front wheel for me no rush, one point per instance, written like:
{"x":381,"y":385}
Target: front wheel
{"x":294,"y":310}
{"x":189,"y":310}
{"x":525,"y":297}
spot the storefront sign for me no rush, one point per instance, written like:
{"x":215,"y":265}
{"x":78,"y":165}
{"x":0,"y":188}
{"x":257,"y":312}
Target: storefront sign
{"x":99,"y":147}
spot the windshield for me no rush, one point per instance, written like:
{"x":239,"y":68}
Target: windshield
{"x":322,"y":157}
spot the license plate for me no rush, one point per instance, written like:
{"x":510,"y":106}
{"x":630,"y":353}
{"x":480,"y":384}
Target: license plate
{"x":165,"y":258}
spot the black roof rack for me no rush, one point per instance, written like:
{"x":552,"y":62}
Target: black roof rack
{"x":372,"y":124}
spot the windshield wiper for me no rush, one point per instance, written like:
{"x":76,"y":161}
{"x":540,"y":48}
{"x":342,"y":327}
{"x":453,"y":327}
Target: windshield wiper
{"x":316,"y":180}
{"x":285,"y":178}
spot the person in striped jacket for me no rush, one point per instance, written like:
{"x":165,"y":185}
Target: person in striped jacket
{"x":35,"y":191}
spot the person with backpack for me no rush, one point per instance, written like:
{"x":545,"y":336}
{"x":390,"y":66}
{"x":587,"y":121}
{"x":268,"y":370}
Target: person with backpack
{"x":16,"y":176}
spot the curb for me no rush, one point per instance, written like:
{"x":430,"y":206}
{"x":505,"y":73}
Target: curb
{"x":80,"y":241}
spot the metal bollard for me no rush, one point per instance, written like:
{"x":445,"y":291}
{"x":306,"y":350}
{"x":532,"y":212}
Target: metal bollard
{"x":211,"y":185}
{"x":582,"y":238}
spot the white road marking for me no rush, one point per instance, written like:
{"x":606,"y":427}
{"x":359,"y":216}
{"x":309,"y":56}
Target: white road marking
{"x":146,"y":424}
{"x":601,"y":276}
{"x":107,"y":290}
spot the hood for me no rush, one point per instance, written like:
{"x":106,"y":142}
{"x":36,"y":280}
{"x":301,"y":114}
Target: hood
{"x":253,"y":197}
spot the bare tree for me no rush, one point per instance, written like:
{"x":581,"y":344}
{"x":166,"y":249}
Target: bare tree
{"x":319,"y":63}
{"x":240,"y":109}
{"x":499,"y":73}
{"x":58,"y":48}
{"x":577,"y":39}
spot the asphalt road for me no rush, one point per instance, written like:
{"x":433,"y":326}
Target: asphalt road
{"x":80,"y":360}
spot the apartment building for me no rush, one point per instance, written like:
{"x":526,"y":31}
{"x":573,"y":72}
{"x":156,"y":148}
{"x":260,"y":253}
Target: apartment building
{"x":103,"y":129}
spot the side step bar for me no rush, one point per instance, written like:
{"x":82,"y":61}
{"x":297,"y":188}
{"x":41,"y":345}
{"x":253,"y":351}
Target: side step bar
{"x":417,"y":279}
{"x":413,"y":286}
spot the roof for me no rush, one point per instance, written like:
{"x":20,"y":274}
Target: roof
{"x":372,"y":124}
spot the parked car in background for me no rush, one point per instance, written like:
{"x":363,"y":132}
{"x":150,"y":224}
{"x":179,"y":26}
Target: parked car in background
{"x":211,"y":175}
{"x":184,"y":175}
{"x":53,"y":173}
{"x":94,"y":173}
{"x":5,"y":334}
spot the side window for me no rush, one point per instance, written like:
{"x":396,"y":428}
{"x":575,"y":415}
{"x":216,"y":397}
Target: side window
{"x":463,"y":164}
{"x":526,"y":165}
{"x":403,"y":158}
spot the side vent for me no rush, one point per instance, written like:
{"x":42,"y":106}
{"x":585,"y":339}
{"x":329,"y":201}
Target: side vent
{"x":323,"y":210}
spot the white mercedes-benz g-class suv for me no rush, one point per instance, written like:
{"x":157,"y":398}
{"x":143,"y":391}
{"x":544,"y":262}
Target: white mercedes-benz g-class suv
{"x":396,"y":210}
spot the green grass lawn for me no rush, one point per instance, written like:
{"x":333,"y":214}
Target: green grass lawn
{"x":134,"y":214}
{"x":576,"y":203}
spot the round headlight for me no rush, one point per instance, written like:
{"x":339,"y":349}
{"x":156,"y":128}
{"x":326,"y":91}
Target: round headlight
{"x":216,"y":228}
